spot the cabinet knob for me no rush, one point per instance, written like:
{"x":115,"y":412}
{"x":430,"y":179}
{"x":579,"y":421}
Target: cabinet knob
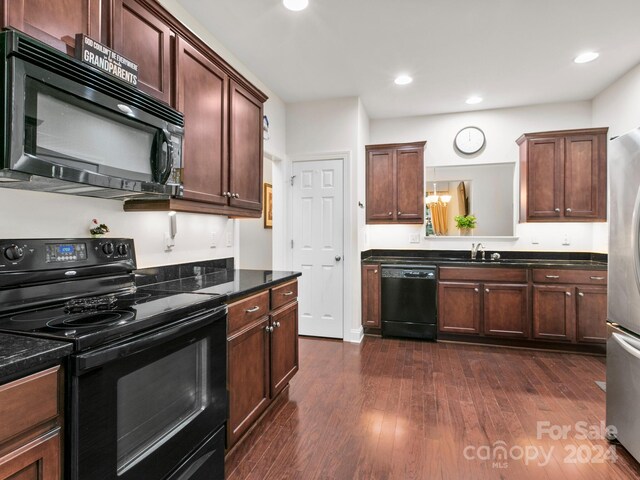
{"x":399,"y":213}
{"x":375,"y":271}
{"x":476,"y":290}
{"x":569,"y":210}
{"x":390,"y":213}
{"x":236,"y":195}
{"x":568,"y":294}
{"x":269,"y":328}
{"x":277,"y":324}
{"x":581,"y":294}
{"x":226,"y":194}
{"x":486,"y":290}
{"x":557,"y":210}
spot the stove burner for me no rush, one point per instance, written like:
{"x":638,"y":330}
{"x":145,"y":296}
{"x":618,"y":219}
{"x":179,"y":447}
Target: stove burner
{"x":37,"y":316}
{"x":79,"y":305}
{"x":92,"y":319}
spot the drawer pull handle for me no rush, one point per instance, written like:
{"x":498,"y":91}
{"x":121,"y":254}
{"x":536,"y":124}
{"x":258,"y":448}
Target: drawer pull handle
{"x":253,"y":310}
{"x":288,"y":294}
{"x":597,"y":278}
{"x":552,"y":276}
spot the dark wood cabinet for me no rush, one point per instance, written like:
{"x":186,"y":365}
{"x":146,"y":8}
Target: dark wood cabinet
{"x":30,"y":432}
{"x":145,"y":39}
{"x":247,"y":377}
{"x":262,"y":354}
{"x":591,"y":315}
{"x":553,"y":313}
{"x":284,"y":347}
{"x":371,"y":296}
{"x":202,"y":96}
{"x":563,"y":176}
{"x":56,"y":22}
{"x":505,"y":311}
{"x":395,"y":183}
{"x":459,"y":308}
{"x":245,"y":149}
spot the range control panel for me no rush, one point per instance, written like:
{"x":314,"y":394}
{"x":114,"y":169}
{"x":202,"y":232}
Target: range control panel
{"x":50,"y":254}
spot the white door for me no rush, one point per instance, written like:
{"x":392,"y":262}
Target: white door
{"x":318,"y":246}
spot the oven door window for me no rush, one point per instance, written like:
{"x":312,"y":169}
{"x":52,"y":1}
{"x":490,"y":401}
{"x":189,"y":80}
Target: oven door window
{"x":69,"y":131}
{"x":158,"y":401}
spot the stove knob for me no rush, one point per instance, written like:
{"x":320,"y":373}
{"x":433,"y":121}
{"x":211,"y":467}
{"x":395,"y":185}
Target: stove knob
{"x":107,"y":248}
{"x":122,"y":249}
{"x":13,"y":252}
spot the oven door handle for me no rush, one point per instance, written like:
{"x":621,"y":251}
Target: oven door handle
{"x":101,"y":356}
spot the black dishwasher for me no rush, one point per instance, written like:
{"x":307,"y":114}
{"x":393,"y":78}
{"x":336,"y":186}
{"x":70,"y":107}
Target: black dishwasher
{"x":409,"y":301}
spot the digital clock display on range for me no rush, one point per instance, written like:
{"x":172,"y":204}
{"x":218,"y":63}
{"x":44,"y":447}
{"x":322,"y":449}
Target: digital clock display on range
{"x":66,"y":252}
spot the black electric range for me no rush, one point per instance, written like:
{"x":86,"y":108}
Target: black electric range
{"x":146,"y":382}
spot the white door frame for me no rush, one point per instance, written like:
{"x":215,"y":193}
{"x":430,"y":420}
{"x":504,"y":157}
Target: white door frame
{"x":348,"y":251}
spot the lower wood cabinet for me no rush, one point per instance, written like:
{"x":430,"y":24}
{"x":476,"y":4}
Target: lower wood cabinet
{"x":459,"y":308}
{"x":591,"y":315}
{"x":30,"y":431}
{"x":553,"y":313}
{"x":262,"y":355}
{"x":371,"y":287}
{"x":506,"y":312}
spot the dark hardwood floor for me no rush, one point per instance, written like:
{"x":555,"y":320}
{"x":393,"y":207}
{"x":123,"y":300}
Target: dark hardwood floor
{"x":399,"y":409}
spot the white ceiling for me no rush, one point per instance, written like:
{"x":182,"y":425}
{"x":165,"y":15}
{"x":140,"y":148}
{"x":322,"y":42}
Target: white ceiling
{"x":511,"y":52}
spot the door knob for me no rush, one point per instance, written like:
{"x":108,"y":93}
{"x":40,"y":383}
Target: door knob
{"x":338,"y":258}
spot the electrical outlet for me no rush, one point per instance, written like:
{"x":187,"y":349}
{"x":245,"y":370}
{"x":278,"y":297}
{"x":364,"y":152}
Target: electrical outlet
{"x":169,"y":242}
{"x":565,"y":240}
{"x":414,"y":238}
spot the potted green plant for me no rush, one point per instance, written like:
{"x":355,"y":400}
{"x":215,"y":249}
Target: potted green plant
{"x":465,"y":223}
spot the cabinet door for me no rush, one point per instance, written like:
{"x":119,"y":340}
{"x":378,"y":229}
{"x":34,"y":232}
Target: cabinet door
{"x":371,"y":296}
{"x":459,"y":308}
{"x":248,"y":377}
{"x":37,"y":460}
{"x":202,"y":97}
{"x":144,"y":39}
{"x":381,"y":205}
{"x":284,"y":347}
{"x":506,"y":312}
{"x":55,"y":22}
{"x":585,"y":177}
{"x":544,"y":178}
{"x":245,"y":150}
{"x":591,"y":315}
{"x":553,"y":313}
{"x":410,"y":185}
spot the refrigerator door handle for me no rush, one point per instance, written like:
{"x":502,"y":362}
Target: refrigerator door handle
{"x":630,"y":349}
{"x":635,"y":240}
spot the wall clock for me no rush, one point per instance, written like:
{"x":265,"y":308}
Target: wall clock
{"x":469,"y":140}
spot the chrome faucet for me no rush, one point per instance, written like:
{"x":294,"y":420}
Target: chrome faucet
{"x":475,"y":249}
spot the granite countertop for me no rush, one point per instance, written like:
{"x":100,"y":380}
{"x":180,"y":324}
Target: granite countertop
{"x":229,"y":283}
{"x":510,"y":259}
{"x":20,"y":355}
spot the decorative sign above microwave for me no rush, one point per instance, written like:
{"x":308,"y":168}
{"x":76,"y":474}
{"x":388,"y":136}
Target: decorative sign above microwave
{"x":103,"y":58}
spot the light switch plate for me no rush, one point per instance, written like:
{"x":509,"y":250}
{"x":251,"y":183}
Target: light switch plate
{"x":565,"y":240}
{"x":414,"y":238}
{"x":229,"y":239}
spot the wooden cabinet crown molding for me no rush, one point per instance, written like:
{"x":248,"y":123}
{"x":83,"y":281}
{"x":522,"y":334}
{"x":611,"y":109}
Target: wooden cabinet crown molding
{"x":396,"y":146}
{"x":562,"y":133}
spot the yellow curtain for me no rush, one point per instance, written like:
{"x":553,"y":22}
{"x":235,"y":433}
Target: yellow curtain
{"x":439,"y":217}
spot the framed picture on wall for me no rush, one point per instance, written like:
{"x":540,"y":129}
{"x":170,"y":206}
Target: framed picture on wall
{"x":267,"y":206}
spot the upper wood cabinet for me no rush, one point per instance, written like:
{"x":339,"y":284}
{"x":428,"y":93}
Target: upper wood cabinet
{"x":223,"y":145}
{"x":56,"y":22}
{"x":563,"y":176}
{"x":145,"y":39}
{"x":395,"y":183}
{"x":245,"y":148}
{"x":202,"y":96}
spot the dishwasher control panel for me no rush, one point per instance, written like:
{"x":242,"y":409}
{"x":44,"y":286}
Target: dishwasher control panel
{"x":409,"y":273}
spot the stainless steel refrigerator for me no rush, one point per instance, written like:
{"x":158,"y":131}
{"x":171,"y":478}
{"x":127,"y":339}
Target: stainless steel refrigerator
{"x":623,"y":343}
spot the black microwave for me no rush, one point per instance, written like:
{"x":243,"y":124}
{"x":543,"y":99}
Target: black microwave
{"x":69,"y":128}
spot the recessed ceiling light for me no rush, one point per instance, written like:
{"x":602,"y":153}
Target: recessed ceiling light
{"x":586,"y":57}
{"x":403,"y":80}
{"x":296,"y":5}
{"x":473,"y":100}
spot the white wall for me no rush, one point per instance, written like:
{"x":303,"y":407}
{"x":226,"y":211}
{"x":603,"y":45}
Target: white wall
{"x":256,"y":242}
{"x":328,"y":127}
{"x":502,"y":127}
{"x":50,"y":215}
{"x":618,"y":106}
